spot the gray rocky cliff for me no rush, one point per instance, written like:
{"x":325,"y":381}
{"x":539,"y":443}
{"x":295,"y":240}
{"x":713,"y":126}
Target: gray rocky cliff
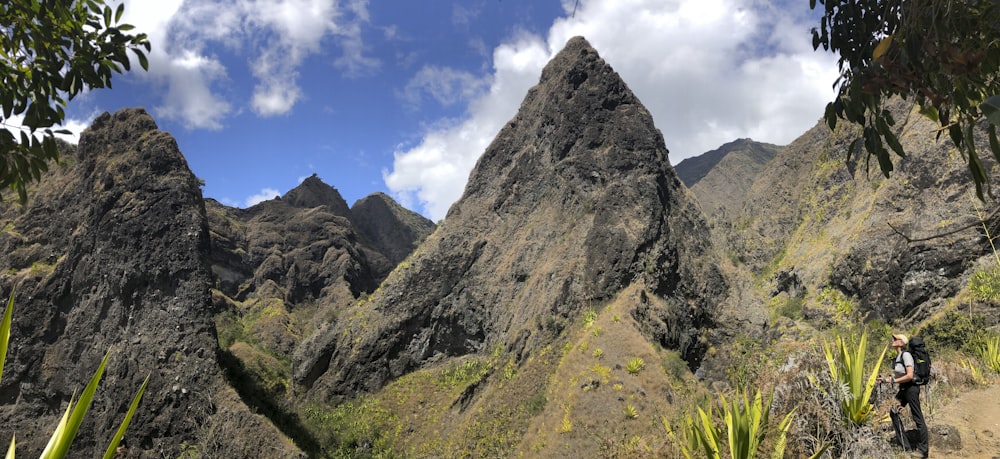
{"x":393,"y":230}
{"x":111,"y":253}
{"x":573,"y":201}
{"x":897,"y":247}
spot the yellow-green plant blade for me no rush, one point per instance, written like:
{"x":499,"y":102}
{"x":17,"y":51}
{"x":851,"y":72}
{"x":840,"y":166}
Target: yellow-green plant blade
{"x":782,"y":440}
{"x":708,"y":435}
{"x":10,"y":451}
{"x":110,"y":453}
{"x":730,"y":417}
{"x":819,"y":453}
{"x":830,"y":361}
{"x":870,"y":385}
{"x":61,"y":447}
{"x":758,"y":422}
{"x":49,"y":453}
{"x":5,"y":332}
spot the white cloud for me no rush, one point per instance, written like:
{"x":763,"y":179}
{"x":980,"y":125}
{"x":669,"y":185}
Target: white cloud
{"x":445,"y":85}
{"x":15,"y":124}
{"x":709,"y":71}
{"x":265,"y":194}
{"x":275,"y":36}
{"x":434,"y":172}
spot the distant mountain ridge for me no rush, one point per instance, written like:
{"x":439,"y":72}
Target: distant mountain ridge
{"x":721,"y":178}
{"x":692,"y":170}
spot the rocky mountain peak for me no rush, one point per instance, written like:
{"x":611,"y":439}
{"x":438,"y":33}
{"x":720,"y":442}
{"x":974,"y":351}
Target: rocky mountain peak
{"x":572,"y":202}
{"x":110,"y":253}
{"x":721,"y":178}
{"x":392,"y":229}
{"x":313,"y":192}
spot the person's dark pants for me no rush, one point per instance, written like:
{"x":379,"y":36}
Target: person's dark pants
{"x":909,"y":395}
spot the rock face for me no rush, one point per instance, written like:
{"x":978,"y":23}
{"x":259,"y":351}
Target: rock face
{"x":303,"y":243}
{"x":111,"y":253}
{"x":573,"y":202}
{"x":722,"y":177}
{"x":392,"y":230}
{"x":897,"y":247}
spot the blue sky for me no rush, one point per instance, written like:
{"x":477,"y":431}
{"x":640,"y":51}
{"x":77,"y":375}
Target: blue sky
{"x":403,"y":96}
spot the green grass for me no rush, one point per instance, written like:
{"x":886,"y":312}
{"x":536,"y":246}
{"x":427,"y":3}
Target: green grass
{"x":984,"y":285}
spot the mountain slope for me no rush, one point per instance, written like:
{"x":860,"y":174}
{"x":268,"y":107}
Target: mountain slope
{"x":393,"y":231}
{"x":572,"y":202}
{"x":897,"y":247}
{"x":721,"y":178}
{"x":111,"y":253}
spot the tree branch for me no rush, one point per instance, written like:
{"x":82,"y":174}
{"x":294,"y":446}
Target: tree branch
{"x":910,"y":240}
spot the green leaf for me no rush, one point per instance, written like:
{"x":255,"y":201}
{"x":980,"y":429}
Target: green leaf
{"x":975,"y":165}
{"x":118,"y":12}
{"x":882,"y":47}
{"x":991,"y":108}
{"x":5,"y":331}
{"x":143,"y":61}
{"x":994,"y":143}
{"x":110,"y":453}
{"x":49,"y":451}
{"x":61,"y":445}
{"x":930,"y":112}
{"x":955,"y":131}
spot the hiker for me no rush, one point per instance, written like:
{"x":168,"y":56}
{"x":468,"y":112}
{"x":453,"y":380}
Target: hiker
{"x":909,"y":392}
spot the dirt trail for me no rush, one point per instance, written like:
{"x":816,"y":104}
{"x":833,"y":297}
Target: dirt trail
{"x":976,"y":415}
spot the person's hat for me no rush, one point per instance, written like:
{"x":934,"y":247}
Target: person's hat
{"x":901,"y":337}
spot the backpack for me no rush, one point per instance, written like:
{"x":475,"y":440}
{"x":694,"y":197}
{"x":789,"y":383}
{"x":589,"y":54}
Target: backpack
{"x":921,"y":361}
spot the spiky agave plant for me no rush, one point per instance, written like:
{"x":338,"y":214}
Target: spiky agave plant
{"x":65,"y":432}
{"x":989,"y":353}
{"x":847,"y":368}
{"x":744,"y":428}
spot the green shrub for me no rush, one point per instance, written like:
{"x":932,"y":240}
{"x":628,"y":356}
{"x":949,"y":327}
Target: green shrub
{"x":630,"y":411}
{"x":742,"y":432}
{"x":955,"y":331}
{"x":635,"y":365}
{"x":984,"y":285}
{"x":747,"y":362}
{"x":989,"y":353}
{"x":589,"y":317}
{"x":792,"y":307}
{"x":844,"y":307}
{"x":673,"y":365}
{"x":465,"y":373}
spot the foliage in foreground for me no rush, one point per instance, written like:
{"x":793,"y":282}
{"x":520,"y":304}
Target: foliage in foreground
{"x":989,"y":353}
{"x":65,"y":432}
{"x":743,"y":431}
{"x":942,"y":54}
{"x":50,"y":52}
{"x":847,"y":366}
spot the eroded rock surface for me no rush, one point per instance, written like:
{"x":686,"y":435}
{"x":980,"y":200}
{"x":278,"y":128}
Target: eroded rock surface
{"x":572,"y":202}
{"x":111,"y":253}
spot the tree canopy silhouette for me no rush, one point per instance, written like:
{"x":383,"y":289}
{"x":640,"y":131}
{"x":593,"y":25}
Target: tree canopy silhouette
{"x":942,"y":54}
{"x":51,"y":51}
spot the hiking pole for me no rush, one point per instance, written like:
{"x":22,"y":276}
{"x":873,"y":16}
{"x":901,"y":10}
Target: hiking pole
{"x":930,"y":406}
